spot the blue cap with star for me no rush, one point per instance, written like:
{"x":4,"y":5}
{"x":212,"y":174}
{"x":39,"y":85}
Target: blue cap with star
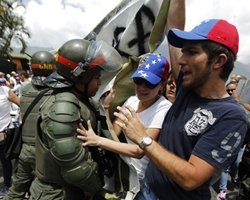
{"x":153,"y":67}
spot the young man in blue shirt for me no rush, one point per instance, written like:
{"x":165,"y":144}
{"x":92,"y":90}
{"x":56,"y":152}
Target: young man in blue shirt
{"x":204,"y":129}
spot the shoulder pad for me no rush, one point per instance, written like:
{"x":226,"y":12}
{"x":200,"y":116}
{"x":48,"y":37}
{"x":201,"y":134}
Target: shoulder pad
{"x":65,"y":108}
{"x":67,"y":97}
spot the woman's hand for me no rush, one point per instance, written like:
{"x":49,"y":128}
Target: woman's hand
{"x":88,"y":137}
{"x":130,"y":123}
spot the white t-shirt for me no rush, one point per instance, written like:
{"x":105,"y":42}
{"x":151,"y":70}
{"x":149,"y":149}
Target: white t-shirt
{"x":152,"y":117}
{"x":5,"y":107}
{"x":17,"y":89}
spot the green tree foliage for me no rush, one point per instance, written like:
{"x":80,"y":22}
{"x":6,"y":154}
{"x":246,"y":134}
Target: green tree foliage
{"x":11,"y":28}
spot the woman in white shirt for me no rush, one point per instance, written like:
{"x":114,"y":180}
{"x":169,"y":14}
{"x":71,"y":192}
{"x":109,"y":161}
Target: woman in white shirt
{"x":151,"y":106}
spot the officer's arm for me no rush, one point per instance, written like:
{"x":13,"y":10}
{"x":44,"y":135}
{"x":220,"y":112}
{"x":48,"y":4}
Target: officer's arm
{"x":76,"y":167}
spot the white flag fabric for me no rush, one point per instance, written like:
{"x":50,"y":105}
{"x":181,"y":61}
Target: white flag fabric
{"x":127,"y":28}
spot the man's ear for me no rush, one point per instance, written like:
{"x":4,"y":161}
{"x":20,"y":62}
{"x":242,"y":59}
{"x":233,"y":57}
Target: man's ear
{"x":220,"y":61}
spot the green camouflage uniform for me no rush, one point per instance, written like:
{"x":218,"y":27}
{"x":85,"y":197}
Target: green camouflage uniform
{"x":63,"y":167}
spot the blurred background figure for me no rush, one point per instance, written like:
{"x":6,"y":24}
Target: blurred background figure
{"x":12,"y":79}
{"x":4,"y":79}
{"x":170,"y":88}
{"x":24,"y":77}
{"x":237,"y":77}
{"x":231,"y":88}
{"x":17,"y":88}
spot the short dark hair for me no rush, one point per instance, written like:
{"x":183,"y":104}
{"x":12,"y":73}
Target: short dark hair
{"x":213,"y":49}
{"x":24,"y":73}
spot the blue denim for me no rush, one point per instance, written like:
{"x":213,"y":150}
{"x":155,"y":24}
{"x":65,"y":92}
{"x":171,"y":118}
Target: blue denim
{"x":223,"y":180}
{"x":233,"y":171}
{"x":145,"y":192}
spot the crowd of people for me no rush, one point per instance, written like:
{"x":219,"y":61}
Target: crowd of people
{"x":9,"y":118}
{"x":185,"y":128}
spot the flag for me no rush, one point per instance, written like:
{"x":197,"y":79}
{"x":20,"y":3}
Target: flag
{"x":133,"y":28}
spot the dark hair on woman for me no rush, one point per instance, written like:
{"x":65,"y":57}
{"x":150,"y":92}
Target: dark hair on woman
{"x":213,"y":50}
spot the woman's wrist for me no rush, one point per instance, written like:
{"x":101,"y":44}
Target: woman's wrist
{"x":99,"y":143}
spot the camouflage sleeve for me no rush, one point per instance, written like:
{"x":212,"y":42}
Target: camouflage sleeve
{"x":59,"y":123}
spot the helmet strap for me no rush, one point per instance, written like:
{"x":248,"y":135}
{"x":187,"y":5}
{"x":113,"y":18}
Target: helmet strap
{"x":77,"y":68}
{"x":81,"y":67}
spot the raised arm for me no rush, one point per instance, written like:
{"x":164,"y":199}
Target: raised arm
{"x":13,"y":98}
{"x":176,"y":19}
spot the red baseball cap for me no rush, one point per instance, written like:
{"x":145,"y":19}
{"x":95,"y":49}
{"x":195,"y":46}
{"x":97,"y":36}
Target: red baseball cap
{"x":216,"y":30}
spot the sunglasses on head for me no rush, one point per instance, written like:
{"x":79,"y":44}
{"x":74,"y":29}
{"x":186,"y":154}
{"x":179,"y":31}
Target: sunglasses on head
{"x":141,"y":81}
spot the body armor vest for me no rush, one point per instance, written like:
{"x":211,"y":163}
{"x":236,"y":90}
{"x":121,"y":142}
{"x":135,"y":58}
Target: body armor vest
{"x":61,"y":156}
{"x":29,"y":129}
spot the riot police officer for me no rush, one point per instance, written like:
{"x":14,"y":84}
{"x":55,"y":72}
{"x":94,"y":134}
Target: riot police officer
{"x":42,"y":64}
{"x":64,"y":168}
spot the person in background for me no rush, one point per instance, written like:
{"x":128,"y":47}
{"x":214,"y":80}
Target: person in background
{"x":24,"y":77}
{"x":15,"y":110}
{"x":7,"y":97}
{"x":2,"y":76}
{"x":12,"y":79}
{"x":231,"y":88}
{"x":42,"y":64}
{"x":194,"y":144}
{"x":150,"y":105}
{"x":233,"y":168}
{"x":244,"y":97}
{"x":244,"y":168}
{"x":170,"y":90}
{"x":237,"y":78}
{"x":8,"y":80}
{"x":17,"y":88}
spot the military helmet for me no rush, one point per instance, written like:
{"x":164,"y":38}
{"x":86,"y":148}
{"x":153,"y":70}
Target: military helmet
{"x":42,"y":63}
{"x":80,"y":59}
